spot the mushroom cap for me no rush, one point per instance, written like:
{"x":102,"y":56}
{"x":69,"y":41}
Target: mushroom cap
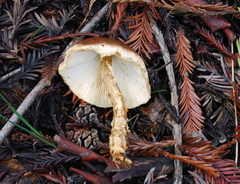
{"x":81,"y":71}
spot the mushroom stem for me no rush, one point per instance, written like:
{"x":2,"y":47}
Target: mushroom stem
{"x":118,"y":137}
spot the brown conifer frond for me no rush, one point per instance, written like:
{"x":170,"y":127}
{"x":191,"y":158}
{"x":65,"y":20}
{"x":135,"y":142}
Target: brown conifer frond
{"x":141,"y":36}
{"x":206,"y":158}
{"x":118,"y":16}
{"x":140,"y":146}
{"x":202,"y":150}
{"x":237,"y":135}
{"x":200,"y":164}
{"x":50,"y":65}
{"x":190,"y":111}
{"x":203,"y":156}
{"x":234,"y":95}
{"x":184,"y":55}
{"x":229,"y":173}
{"x":210,"y":9}
{"x":186,"y":7}
{"x":213,"y":40}
{"x":40,"y":40}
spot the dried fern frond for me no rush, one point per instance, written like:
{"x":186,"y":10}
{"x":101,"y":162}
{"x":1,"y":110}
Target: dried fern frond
{"x":141,"y":36}
{"x":190,"y":111}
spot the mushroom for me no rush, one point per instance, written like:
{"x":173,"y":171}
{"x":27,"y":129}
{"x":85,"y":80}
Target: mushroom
{"x":107,"y":73}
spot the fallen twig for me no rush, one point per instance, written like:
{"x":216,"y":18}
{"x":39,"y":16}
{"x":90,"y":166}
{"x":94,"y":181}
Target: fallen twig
{"x":174,"y":101}
{"x":10,"y":74}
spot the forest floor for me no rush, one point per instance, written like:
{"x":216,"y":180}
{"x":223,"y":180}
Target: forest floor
{"x":188,"y":131}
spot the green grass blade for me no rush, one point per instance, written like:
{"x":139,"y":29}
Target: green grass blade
{"x":28,"y":131}
{"x":19,"y":116}
{"x":34,"y":34}
{"x":162,"y":90}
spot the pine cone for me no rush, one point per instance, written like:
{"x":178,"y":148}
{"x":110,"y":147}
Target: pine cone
{"x":86,"y":138}
{"x":87,"y":115}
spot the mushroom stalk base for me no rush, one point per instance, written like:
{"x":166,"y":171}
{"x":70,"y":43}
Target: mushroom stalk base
{"x":118,"y":137}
